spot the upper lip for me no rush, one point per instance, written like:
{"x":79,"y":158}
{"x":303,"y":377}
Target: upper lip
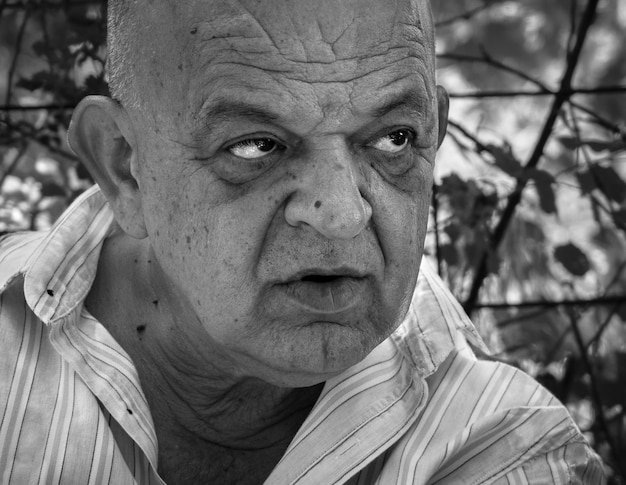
{"x":343,"y":271}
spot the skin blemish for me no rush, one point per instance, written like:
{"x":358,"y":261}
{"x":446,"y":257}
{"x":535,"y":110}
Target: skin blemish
{"x":50,"y":292}
{"x":141,"y":328}
{"x":155,"y":302}
{"x":180,"y":67}
{"x":188,"y":239}
{"x":194,"y":31}
{"x":318,"y":204}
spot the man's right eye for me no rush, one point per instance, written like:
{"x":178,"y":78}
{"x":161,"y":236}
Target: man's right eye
{"x":254,"y":148}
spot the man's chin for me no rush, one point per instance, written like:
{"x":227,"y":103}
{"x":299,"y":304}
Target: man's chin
{"x":322,"y":350}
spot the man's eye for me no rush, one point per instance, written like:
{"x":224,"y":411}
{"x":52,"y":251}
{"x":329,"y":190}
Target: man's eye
{"x":253,"y":148}
{"x":393,"y":142}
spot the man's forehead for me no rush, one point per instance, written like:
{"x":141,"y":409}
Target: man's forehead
{"x":207,"y":43}
{"x":303,"y":30}
{"x":312,"y":30}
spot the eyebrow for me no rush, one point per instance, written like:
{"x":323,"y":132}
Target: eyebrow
{"x":224,"y":110}
{"x":410,"y":99}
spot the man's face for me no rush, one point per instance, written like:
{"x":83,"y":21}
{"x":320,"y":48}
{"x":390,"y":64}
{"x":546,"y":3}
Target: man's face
{"x":285,"y":168}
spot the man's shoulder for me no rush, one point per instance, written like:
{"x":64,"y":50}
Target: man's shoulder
{"x":485,"y":387}
{"x":25,"y":349}
{"x":490,"y":418}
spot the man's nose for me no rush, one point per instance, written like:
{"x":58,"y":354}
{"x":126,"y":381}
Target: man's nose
{"x":329,"y":197}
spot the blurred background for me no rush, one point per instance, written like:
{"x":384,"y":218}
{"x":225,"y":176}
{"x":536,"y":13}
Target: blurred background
{"x":528,"y":225}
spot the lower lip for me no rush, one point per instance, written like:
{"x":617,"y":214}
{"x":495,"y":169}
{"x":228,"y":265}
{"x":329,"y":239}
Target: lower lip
{"x":330,"y":297}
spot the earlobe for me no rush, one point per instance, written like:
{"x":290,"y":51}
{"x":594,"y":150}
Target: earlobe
{"x":443,"y":104}
{"x":102,"y":137}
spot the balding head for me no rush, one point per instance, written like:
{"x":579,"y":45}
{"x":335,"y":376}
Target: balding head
{"x":154,"y":40}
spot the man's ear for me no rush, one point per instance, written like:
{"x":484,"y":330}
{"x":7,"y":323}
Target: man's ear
{"x":443,"y":104}
{"x":102,"y":136}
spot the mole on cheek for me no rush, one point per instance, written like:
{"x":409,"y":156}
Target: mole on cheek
{"x":318,"y":204}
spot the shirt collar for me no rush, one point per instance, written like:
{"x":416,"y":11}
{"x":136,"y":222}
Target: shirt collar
{"x":59,"y":266}
{"x":434,"y":325}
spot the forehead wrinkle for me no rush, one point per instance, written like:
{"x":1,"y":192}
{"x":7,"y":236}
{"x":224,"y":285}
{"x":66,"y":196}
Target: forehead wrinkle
{"x":234,"y":66}
{"x":229,"y":19}
{"x":251,"y":81}
{"x":246,"y":33}
{"x":232,"y":20}
{"x":415,"y":25}
{"x":312,"y":30}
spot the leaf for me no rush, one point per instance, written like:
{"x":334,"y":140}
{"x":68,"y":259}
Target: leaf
{"x":544,"y":182}
{"x":573,"y":143}
{"x":586,"y":182}
{"x":451,"y":184}
{"x":606,"y":179}
{"x":572,"y":259}
{"x":606,"y":145}
{"x":619,"y":218}
{"x":570,"y":142}
{"x":610,"y":183}
{"x":505,"y":160}
{"x":453,"y":231}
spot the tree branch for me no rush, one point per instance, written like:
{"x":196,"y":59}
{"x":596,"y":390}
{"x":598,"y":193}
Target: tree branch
{"x":595,"y":393}
{"x":465,"y":15}
{"x":537,"y":93}
{"x":49,"y":5}
{"x":48,"y":107}
{"x":18,"y":45}
{"x":604,"y":300}
{"x":515,"y":198}
{"x":435,"y":204}
{"x":543,"y":90}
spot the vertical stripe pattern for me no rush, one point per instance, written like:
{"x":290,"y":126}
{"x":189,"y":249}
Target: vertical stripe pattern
{"x":420,"y":409}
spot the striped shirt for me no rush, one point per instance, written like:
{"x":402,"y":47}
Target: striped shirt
{"x":420,"y":409}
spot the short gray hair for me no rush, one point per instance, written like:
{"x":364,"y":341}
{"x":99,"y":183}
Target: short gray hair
{"x":121,"y":28}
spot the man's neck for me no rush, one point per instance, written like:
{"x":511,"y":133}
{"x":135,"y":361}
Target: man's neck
{"x":191,"y":396}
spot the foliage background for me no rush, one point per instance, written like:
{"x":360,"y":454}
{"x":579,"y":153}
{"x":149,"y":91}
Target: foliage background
{"x":529,"y":214}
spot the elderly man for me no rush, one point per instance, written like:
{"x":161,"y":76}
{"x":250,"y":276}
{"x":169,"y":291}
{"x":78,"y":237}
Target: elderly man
{"x":238,"y":301}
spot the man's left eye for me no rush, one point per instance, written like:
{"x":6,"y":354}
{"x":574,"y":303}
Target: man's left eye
{"x":393,"y":142}
{"x":254,"y":148}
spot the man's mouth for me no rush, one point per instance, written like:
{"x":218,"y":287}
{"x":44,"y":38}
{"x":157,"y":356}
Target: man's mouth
{"x":327,"y":292}
{"x":320,"y":278}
